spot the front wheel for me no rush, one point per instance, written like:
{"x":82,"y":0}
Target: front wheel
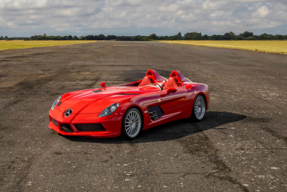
{"x":199,"y":108}
{"x":132,"y":123}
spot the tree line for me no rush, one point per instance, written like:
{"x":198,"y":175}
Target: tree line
{"x":247,"y":35}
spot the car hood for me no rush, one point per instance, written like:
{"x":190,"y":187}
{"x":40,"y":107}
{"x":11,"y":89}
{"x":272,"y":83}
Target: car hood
{"x":96,"y":100}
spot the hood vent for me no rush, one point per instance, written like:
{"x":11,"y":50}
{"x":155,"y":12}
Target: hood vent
{"x":97,"y":91}
{"x":129,"y":94}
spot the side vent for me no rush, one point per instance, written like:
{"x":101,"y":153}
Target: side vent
{"x":153,"y":115}
{"x":155,"y":112}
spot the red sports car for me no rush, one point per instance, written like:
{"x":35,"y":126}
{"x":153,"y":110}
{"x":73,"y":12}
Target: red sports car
{"x":129,"y":108}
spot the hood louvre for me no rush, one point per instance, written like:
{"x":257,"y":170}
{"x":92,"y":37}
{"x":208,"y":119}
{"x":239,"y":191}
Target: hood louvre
{"x":129,"y":94}
{"x":97,"y":91}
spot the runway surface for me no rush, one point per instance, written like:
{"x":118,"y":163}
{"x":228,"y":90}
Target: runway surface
{"x":241,"y":145}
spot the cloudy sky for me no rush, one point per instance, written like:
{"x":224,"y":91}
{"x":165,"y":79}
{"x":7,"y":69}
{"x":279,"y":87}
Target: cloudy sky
{"x":141,"y":17}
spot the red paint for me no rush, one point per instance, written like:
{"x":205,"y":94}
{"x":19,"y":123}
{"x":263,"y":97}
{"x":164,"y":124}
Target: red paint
{"x":176,"y":103}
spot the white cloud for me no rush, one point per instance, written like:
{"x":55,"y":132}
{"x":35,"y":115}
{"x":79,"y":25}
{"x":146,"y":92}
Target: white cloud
{"x":263,"y":11}
{"x":132,"y":17}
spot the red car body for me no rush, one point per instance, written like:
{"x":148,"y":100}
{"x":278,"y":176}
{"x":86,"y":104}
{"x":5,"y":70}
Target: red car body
{"x":84,"y":107}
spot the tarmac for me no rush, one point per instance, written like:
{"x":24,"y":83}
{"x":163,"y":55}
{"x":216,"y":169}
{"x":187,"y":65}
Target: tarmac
{"x":241,"y":145}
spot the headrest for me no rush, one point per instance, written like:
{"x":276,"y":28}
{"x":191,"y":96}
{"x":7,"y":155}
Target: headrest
{"x":147,"y":80}
{"x":172,"y":82}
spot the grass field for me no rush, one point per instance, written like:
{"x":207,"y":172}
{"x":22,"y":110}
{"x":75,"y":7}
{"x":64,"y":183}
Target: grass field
{"x":279,"y":47}
{"x":19,"y":44}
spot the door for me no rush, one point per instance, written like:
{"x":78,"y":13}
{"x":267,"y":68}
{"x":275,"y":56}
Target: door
{"x":174,"y":101}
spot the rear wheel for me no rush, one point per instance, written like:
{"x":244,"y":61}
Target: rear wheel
{"x":199,"y":108}
{"x":132,"y":123}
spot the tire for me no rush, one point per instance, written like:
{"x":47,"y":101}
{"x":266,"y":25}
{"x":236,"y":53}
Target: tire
{"x":199,"y":108}
{"x":132,"y":124}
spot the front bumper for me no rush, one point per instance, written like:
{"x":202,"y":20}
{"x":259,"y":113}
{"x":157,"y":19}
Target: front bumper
{"x":110,"y":126}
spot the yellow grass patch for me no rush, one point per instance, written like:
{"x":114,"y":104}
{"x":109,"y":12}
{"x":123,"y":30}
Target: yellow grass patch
{"x":279,"y":47}
{"x":19,"y":44}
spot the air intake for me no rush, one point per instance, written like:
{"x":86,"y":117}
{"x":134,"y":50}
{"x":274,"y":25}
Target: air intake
{"x":55,"y":122}
{"x":67,"y":128}
{"x":90,"y":127}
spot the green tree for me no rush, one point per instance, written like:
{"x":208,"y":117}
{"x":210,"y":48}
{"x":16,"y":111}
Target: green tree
{"x":75,"y":38}
{"x":57,"y":37}
{"x":228,"y":36}
{"x":216,"y":37}
{"x":192,"y":36}
{"x":232,"y":35}
{"x":205,"y":37}
{"x":152,"y":37}
{"x":178,"y":36}
{"x":266,"y":36}
{"x":90,"y":37}
{"x":102,"y":37}
{"x":247,"y":34}
{"x":250,"y":38}
{"x":239,"y":37}
{"x":138,"y":37}
{"x":109,"y":37}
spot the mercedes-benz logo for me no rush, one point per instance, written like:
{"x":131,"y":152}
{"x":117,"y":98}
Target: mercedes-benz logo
{"x":68,"y":112}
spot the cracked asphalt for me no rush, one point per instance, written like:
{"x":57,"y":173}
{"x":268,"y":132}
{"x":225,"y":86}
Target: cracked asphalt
{"x":241,"y":145}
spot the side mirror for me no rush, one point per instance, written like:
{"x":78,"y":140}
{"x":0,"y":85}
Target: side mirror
{"x":103,"y":84}
{"x":169,"y":91}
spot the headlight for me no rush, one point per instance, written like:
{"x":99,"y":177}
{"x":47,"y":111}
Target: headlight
{"x":109,"y":110}
{"x":55,"y":103}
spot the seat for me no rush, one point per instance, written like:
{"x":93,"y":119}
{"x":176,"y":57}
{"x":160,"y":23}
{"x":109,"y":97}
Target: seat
{"x":147,"y":80}
{"x":172,"y":82}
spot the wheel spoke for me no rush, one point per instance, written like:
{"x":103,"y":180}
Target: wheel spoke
{"x":199,"y":108}
{"x":132,"y":123}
